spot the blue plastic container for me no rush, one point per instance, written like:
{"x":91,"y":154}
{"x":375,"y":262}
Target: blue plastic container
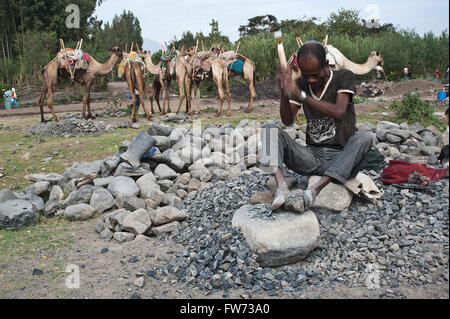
{"x":441,"y":95}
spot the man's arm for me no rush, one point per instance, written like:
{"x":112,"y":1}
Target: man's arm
{"x":336,"y":110}
{"x":287,"y":109}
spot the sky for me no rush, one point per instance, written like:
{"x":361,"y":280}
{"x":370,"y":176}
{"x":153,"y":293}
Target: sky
{"x":163,"y":20}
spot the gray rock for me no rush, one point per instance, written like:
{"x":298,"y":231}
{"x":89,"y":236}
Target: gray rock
{"x":176,"y":135}
{"x":332,"y":197}
{"x":101,"y":200}
{"x":294,"y":202}
{"x":163,"y":171}
{"x":106,"y":234}
{"x":392,"y":138}
{"x":172,"y":159}
{"x":116,"y":217}
{"x":100,"y":226}
{"x":165,"y":185}
{"x":123,"y":185}
{"x":16,"y":213}
{"x":137,"y":222}
{"x":122,"y":237}
{"x":284,"y":239}
{"x":79,"y":170}
{"x":166,"y":228}
{"x":162,"y":142}
{"x":37,"y":201}
{"x":364,"y":126}
{"x":385,"y":125}
{"x":38,"y":188}
{"x":190,"y":154}
{"x":79,"y":212}
{"x":219,"y":174}
{"x":261,"y":198}
{"x":6,"y":194}
{"x":103,"y":182}
{"x":403,"y":134}
{"x":167,"y":214}
{"x":80,"y":196}
{"x":156,"y":129}
{"x":203,"y":174}
{"x":130,"y":202}
{"x":52,"y":178}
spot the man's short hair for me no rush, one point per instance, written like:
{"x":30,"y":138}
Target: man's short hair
{"x":315,"y":49}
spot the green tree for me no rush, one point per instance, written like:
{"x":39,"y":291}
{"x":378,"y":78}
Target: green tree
{"x":259,"y":24}
{"x":345,"y":22}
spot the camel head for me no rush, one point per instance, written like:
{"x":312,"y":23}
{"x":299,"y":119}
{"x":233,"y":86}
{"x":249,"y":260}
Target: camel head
{"x":217,"y":49}
{"x":117,"y":51}
{"x":375,"y":55}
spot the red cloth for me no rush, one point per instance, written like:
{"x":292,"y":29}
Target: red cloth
{"x":86,"y":56}
{"x":398,"y":171}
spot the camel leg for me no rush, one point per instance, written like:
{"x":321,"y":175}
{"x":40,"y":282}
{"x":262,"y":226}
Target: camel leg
{"x":50,"y":102}
{"x":85,"y":99}
{"x":251,"y":88}
{"x":169,"y":84}
{"x":142,"y":91}
{"x":197,"y":87}
{"x":180,"y":82}
{"x":188,"y":96}
{"x":41,"y":103}
{"x":218,"y":82}
{"x":227,"y":92}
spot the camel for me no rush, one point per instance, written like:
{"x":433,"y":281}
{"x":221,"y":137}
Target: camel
{"x":177,"y":70}
{"x":207,"y":64}
{"x":247,"y":72}
{"x":52,"y":72}
{"x":134,"y":75}
{"x":337,"y":61}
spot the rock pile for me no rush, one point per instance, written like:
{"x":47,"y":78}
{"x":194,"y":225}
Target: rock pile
{"x":407,"y":142}
{"x":369,"y":90}
{"x":71,"y":127}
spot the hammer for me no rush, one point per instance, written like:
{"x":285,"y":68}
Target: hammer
{"x":280,"y":48}
{"x":283,"y":62}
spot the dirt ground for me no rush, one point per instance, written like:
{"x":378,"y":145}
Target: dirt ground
{"x":111,"y":274}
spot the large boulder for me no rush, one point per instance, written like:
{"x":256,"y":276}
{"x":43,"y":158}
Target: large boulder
{"x":79,"y":170}
{"x":333,"y":196}
{"x":137,"y":222}
{"x":167,"y":214}
{"x":79,"y":212}
{"x":16,"y":213}
{"x":123,"y":185}
{"x":6,"y":194}
{"x":80,"y":196}
{"x":284,"y":238}
{"x":101,"y":200}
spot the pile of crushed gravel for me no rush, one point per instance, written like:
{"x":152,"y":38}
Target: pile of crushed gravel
{"x":401,"y":241}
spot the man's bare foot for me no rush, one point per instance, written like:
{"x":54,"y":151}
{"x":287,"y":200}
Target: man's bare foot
{"x":280,"y":198}
{"x":309,"y":197}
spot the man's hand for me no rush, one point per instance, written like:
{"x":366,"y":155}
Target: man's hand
{"x":288,"y":86}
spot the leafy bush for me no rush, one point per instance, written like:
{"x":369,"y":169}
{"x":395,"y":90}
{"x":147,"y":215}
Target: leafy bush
{"x":412,"y":108}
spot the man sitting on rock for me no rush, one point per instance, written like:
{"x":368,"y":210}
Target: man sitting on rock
{"x":334,"y":149}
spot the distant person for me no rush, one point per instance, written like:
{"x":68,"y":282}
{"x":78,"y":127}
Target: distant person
{"x":14,"y":98}
{"x":410,"y":72}
{"x":436,"y":75}
{"x":446,"y":74}
{"x":379,"y":70}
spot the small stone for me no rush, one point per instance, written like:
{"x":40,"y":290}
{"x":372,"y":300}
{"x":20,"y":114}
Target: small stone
{"x":139,"y":282}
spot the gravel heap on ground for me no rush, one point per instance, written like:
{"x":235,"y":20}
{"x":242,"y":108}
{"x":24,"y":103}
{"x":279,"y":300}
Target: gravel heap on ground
{"x":69,"y":127}
{"x":401,"y":241}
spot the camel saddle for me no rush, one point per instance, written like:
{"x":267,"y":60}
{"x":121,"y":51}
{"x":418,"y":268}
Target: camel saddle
{"x":76,"y":59}
{"x":128,"y":58}
{"x":201,"y":64}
